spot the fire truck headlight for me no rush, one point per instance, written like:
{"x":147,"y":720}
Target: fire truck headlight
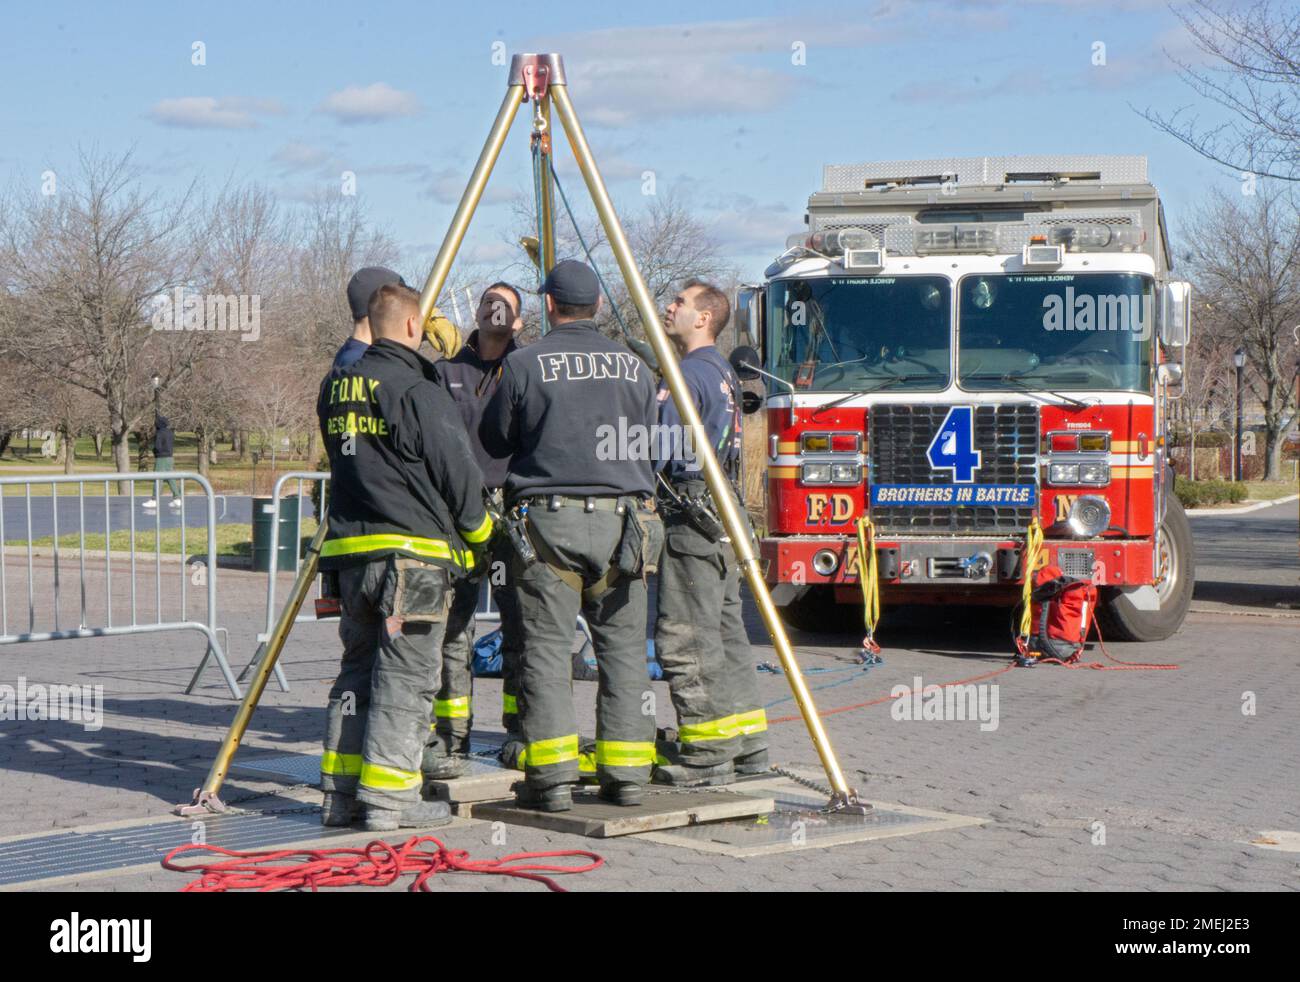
{"x":1063,"y":474}
{"x":815,"y":474}
{"x":846,"y":473}
{"x":1089,"y":516}
{"x":1094,"y":473}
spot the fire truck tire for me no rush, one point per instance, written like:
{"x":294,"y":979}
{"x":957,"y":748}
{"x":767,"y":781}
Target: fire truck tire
{"x":1120,"y":620}
{"x":817,"y":612}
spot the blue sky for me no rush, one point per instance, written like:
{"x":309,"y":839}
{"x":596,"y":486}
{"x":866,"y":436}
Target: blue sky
{"x":704,"y":95}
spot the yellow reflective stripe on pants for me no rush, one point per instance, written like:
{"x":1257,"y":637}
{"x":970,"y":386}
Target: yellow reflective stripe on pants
{"x":622,"y":753}
{"x":457,"y":708}
{"x":388,"y":778}
{"x":714,"y":729}
{"x":509,"y":704}
{"x":559,"y":750}
{"x":480,"y":534}
{"x":340,"y":765}
{"x":754,"y":721}
{"x":431,"y":548}
{"x":586,"y":762}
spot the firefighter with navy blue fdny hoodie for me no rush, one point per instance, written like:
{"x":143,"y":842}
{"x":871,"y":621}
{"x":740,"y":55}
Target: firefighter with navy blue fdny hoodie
{"x":472,"y":376}
{"x":562,"y":403}
{"x":406,"y":519}
{"x":700,"y":639}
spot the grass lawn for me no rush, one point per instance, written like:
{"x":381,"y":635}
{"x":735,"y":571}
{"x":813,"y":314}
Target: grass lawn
{"x":1270,"y":490}
{"x":232,"y":540}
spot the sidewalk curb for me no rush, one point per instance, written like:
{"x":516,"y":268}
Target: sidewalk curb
{"x":1197,"y":512}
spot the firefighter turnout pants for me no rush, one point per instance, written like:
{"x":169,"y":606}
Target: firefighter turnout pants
{"x":585,"y":543}
{"x":394,"y":613}
{"x":453,"y":706}
{"x":700,"y":641}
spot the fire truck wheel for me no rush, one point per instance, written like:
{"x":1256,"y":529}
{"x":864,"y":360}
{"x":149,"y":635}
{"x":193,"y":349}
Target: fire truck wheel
{"x":1120,"y":620}
{"x":817,"y":612}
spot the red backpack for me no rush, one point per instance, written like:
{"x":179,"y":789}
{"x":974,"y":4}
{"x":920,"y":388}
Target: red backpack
{"x":1061,"y":612}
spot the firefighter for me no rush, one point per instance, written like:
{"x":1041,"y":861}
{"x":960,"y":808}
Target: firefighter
{"x":361,"y":287}
{"x":700,"y":639}
{"x":558,"y":414}
{"x":406,"y":518}
{"x":472,"y":376}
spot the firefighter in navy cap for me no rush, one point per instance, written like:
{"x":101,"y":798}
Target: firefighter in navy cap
{"x":563,"y":408}
{"x":361,"y":288}
{"x":406,"y":520}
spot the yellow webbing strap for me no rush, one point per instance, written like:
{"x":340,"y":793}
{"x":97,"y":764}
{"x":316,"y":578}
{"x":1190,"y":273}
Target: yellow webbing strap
{"x":869,"y":578}
{"x":1033,"y":547}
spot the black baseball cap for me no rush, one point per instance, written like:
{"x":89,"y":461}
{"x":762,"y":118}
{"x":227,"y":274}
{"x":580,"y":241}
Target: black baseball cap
{"x":363,"y":285}
{"x":572,"y":282}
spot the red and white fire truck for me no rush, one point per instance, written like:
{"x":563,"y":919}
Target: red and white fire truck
{"x":955,"y":348}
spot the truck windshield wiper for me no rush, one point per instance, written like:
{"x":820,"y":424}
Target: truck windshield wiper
{"x":1018,"y":380}
{"x":884,"y":383}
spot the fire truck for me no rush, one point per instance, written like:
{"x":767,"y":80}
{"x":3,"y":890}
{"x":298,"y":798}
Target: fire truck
{"x":960,"y":349}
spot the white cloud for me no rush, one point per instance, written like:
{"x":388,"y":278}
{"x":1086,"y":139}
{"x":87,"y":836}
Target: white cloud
{"x":369,"y":104}
{"x":300,"y":156}
{"x":448,"y":184}
{"x":206,"y":112}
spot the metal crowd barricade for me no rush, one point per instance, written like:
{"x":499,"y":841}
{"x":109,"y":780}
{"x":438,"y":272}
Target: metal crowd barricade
{"x":274,"y":564}
{"x":133,"y":558}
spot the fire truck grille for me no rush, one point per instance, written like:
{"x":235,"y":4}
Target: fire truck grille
{"x":1007,"y":438}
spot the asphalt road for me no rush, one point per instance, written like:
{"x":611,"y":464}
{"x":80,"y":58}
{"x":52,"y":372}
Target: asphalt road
{"x":230,"y":510}
{"x":1250,"y":561}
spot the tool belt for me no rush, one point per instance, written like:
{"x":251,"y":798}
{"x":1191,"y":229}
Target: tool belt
{"x":637,"y":553}
{"x":692,"y":501}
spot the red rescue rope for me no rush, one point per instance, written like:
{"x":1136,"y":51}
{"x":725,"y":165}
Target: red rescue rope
{"x":377,"y":864}
{"x":1120,"y":666}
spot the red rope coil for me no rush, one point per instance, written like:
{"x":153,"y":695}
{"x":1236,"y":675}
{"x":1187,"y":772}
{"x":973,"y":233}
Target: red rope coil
{"x":376,"y":864}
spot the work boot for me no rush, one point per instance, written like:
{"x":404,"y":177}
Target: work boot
{"x":416,"y":815}
{"x":755,"y":763}
{"x":338,"y":810}
{"x":692,"y":776}
{"x":438,"y":766}
{"x":624,"y":793}
{"x":557,"y":798}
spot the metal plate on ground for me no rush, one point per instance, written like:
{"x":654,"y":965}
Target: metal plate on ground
{"x":796,"y":823}
{"x":77,"y":853}
{"x":663,"y":809}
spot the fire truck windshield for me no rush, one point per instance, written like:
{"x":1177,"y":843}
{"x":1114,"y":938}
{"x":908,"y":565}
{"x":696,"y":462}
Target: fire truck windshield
{"x":1062,"y":331}
{"x":847,"y":333}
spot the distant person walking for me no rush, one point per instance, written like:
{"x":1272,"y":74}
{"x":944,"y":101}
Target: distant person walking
{"x":163,"y":446}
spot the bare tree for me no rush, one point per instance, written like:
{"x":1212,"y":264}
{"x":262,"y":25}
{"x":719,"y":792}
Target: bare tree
{"x":82,"y":269}
{"x":1253,"y":72}
{"x":1246,"y":260}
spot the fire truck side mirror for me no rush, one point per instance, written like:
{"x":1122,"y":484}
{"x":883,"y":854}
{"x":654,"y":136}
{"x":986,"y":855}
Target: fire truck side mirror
{"x":746,"y":362}
{"x":747,"y":319}
{"x":750,"y":402}
{"x":1176,"y":315}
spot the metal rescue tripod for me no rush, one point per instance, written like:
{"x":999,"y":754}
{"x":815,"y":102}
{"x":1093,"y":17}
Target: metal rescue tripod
{"x":539,"y":78}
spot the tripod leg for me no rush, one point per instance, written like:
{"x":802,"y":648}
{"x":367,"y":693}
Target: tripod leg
{"x":205,"y":798}
{"x":469,"y":200}
{"x":843,"y":797}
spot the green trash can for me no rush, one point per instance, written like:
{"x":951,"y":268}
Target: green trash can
{"x":287,"y":547}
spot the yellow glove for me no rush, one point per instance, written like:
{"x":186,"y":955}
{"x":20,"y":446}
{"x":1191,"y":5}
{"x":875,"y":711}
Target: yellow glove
{"x":442,"y":334}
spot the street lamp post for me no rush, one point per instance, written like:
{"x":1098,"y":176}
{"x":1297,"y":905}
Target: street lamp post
{"x":1239,"y":361}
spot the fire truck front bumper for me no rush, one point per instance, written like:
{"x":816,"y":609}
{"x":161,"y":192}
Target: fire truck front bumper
{"x":949,"y":565}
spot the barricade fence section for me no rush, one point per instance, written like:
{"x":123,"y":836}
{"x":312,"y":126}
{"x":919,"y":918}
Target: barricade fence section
{"x":109,"y":555}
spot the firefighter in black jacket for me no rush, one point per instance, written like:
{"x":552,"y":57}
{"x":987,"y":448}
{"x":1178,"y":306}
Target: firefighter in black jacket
{"x":574,"y":412}
{"x":406,"y":518}
{"x":472,"y":377}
